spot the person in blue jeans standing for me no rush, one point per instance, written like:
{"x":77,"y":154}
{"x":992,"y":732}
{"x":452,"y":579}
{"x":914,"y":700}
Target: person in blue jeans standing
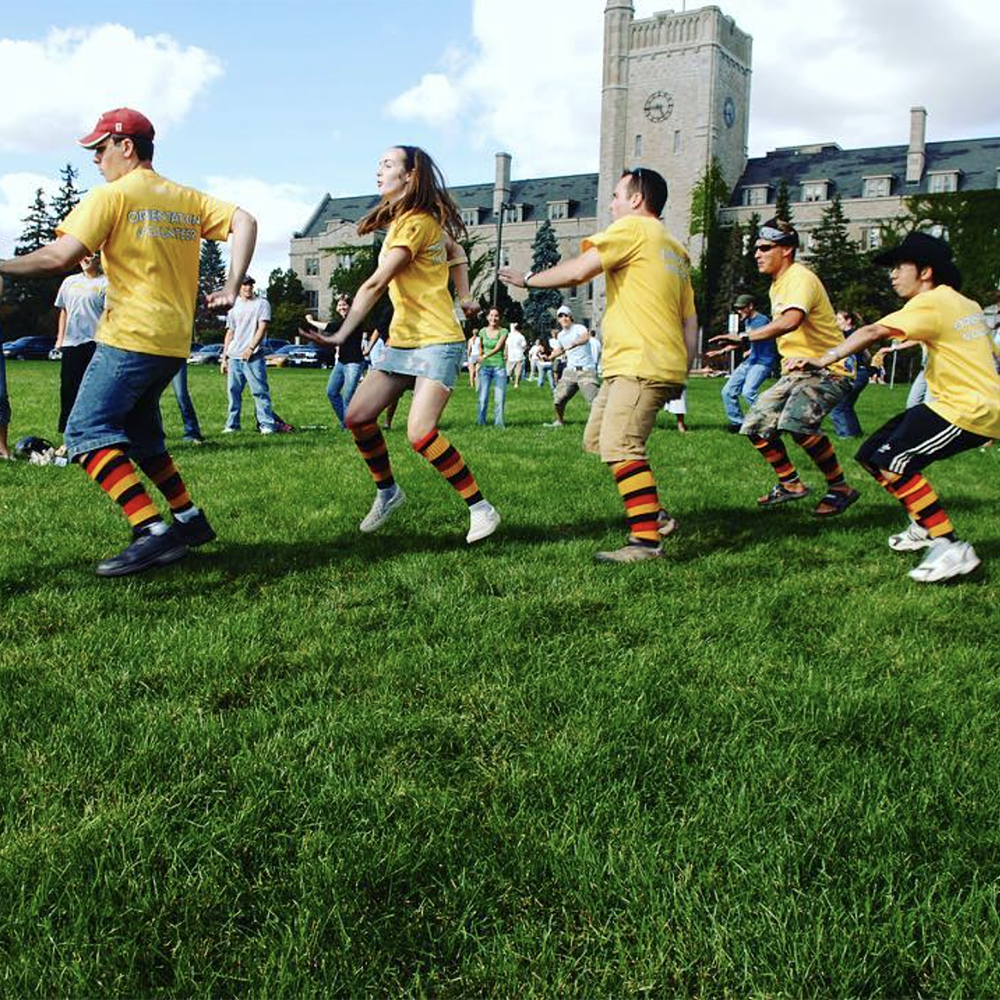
{"x":350,"y":365}
{"x":4,"y":401}
{"x":243,"y":358}
{"x":754,"y":370}
{"x":492,"y":369}
{"x":845,"y":420}
{"x":192,"y":429}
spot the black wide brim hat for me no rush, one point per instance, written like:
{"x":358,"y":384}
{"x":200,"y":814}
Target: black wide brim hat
{"x":924,"y":250}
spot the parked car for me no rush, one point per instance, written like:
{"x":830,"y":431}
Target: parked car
{"x":29,"y":348}
{"x":301,"y":356}
{"x":209,"y":354}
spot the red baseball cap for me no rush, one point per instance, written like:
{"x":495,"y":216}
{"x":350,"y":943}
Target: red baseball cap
{"x":120,"y":121}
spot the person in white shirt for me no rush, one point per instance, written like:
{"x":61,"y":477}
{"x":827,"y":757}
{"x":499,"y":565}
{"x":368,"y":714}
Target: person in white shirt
{"x":517,"y":344}
{"x":243,"y":358}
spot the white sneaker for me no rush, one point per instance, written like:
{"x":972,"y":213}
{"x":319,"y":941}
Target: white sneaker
{"x":665,"y":524}
{"x":230,"y":430}
{"x":911,"y":540}
{"x":385,"y":502}
{"x":945,"y":560}
{"x":554,"y":423}
{"x":484,"y":519}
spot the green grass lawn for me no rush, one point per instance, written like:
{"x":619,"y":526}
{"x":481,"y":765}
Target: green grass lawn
{"x":305,"y":761}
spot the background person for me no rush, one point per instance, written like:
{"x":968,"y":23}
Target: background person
{"x":4,"y":400}
{"x":517,"y":344}
{"x":845,"y":420}
{"x":474,"y":357}
{"x":350,"y":363}
{"x":426,"y":343}
{"x":493,"y":369}
{"x":243,"y":362}
{"x":572,"y":346}
{"x":80,"y":301}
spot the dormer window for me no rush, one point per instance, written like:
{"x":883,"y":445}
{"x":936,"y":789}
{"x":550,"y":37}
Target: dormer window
{"x":558,"y":210}
{"x":755,"y":194}
{"x":514,"y":213}
{"x":814,"y":190}
{"x":878,"y":187}
{"x":942,"y":181}
{"x":470,"y":216}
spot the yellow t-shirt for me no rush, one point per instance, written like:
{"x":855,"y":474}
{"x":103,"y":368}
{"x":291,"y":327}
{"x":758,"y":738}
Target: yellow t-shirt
{"x":649,"y":296}
{"x":149,"y":231}
{"x":423,"y":309}
{"x":961,"y":375}
{"x":799,"y":288}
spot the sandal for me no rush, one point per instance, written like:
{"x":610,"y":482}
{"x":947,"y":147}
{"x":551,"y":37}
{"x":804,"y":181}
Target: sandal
{"x":781,"y":494}
{"x":836,"y":502}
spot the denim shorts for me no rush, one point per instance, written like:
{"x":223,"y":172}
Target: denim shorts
{"x":439,"y":362}
{"x":119,"y":403}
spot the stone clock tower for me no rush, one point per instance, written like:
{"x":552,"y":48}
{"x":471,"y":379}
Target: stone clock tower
{"x":676,"y":93}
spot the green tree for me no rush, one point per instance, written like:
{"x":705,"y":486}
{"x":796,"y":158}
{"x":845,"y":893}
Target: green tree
{"x":287,"y":297}
{"x":66,"y":198}
{"x":833,"y":255}
{"x":355,"y":265}
{"x":543,"y":301}
{"x":31,"y":299}
{"x":211,"y":276}
{"x":709,"y":194}
{"x":783,"y":202}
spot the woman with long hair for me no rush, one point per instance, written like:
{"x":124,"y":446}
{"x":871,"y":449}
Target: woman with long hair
{"x":426,"y":344}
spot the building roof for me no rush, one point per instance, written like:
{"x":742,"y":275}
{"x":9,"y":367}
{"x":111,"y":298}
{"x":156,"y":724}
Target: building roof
{"x":977,"y":160}
{"x":579,"y":189}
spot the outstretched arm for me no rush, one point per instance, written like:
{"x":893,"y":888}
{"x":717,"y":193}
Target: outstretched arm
{"x":856,"y":342}
{"x":575,"y":271}
{"x":243,"y":230}
{"x":61,"y":255}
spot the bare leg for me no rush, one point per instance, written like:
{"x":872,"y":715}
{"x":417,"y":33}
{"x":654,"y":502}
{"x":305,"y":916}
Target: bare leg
{"x":378,"y":392}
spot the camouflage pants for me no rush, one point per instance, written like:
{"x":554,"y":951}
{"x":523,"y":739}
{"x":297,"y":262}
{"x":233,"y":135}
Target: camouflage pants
{"x":795,"y":403}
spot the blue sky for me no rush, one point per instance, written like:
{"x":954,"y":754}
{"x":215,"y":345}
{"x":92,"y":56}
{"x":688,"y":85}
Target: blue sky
{"x":274,"y":104}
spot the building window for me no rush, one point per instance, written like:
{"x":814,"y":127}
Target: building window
{"x":504,"y":257}
{"x":312,"y":266}
{"x":805,"y":241}
{"x":514,"y":213}
{"x":558,"y":210}
{"x":877,"y":187}
{"x":345,"y":260}
{"x":942,"y":183}
{"x":873,"y":238}
{"x":814,"y":191}
{"x":470,"y":216}
{"x":638,"y":147}
{"x":755,"y":195}
{"x":939,"y":231}
{"x":677,"y":141}
{"x":312,"y":298}
{"x":590,"y":291}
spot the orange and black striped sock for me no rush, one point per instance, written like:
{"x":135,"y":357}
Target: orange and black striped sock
{"x":773,"y":450}
{"x":642,"y":504}
{"x":921,"y":503}
{"x":440,"y":452}
{"x":115,"y":474}
{"x":371,"y":444}
{"x":820,"y":449}
{"x":162,"y":471}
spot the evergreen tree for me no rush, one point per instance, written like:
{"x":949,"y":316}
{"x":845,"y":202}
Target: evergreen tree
{"x":833,"y":255}
{"x":211,"y":276}
{"x":32,"y":298}
{"x":37,"y":227}
{"x":66,"y":198}
{"x":287,"y":296}
{"x":355,"y":265}
{"x":783,"y":202}
{"x":542,"y":302}
{"x":709,"y":194}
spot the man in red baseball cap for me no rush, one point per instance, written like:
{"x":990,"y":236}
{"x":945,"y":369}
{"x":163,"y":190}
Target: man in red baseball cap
{"x":149,"y":231}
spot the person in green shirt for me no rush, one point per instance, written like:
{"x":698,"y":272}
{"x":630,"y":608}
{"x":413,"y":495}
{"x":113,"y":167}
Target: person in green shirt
{"x":493,"y":368}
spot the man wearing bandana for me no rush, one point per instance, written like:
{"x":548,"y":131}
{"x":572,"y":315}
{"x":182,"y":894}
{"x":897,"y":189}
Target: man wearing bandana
{"x":803,"y":326}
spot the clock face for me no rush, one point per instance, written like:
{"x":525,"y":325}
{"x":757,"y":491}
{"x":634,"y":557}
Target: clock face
{"x":729,"y":112}
{"x":658,"y":106}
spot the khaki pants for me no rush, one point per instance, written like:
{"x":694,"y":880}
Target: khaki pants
{"x":623,"y":414}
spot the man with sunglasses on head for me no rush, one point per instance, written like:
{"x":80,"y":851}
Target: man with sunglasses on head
{"x":804,"y":326}
{"x":149,"y":230}
{"x":650,"y":336}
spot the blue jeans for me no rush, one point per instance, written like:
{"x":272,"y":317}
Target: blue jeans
{"x":180,"y":383}
{"x":119,"y":403}
{"x":254,"y":373}
{"x":745,"y":381}
{"x":845,"y":420}
{"x":340,"y":388}
{"x":498,"y":378}
{"x":543,"y":372}
{"x":4,"y":401}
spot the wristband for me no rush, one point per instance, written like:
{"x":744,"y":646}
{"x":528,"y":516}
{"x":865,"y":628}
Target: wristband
{"x":527,"y":275}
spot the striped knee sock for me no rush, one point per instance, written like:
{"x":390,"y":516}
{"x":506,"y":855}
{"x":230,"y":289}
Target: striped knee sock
{"x":820,"y":450}
{"x":371,"y":444}
{"x":439,"y":451}
{"x":921,"y":503}
{"x":642,"y":505}
{"x":162,"y":471}
{"x":773,"y":450}
{"x":115,"y":474}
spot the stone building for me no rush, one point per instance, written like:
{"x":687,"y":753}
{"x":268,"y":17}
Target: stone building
{"x":675,"y":95}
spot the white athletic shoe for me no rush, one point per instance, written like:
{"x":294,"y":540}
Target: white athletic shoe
{"x":554,"y":423}
{"x":665,"y":524}
{"x":945,"y":560}
{"x":911,"y":540}
{"x":484,"y":519}
{"x":385,"y":502}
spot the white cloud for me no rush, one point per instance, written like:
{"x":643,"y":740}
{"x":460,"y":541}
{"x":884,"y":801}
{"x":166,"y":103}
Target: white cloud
{"x":280,"y":210}
{"x":73,"y":71}
{"x":17,"y":192}
{"x":841,"y":70}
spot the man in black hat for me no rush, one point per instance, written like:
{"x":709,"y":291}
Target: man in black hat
{"x":963,"y":413}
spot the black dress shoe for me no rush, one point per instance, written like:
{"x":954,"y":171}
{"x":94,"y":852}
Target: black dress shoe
{"x":195,"y":532}
{"x":145,"y":552}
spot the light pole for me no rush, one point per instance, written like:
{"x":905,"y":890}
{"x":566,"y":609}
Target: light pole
{"x":496,"y":267}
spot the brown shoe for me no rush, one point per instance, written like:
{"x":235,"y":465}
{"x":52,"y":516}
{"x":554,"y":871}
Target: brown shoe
{"x":630,"y":553}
